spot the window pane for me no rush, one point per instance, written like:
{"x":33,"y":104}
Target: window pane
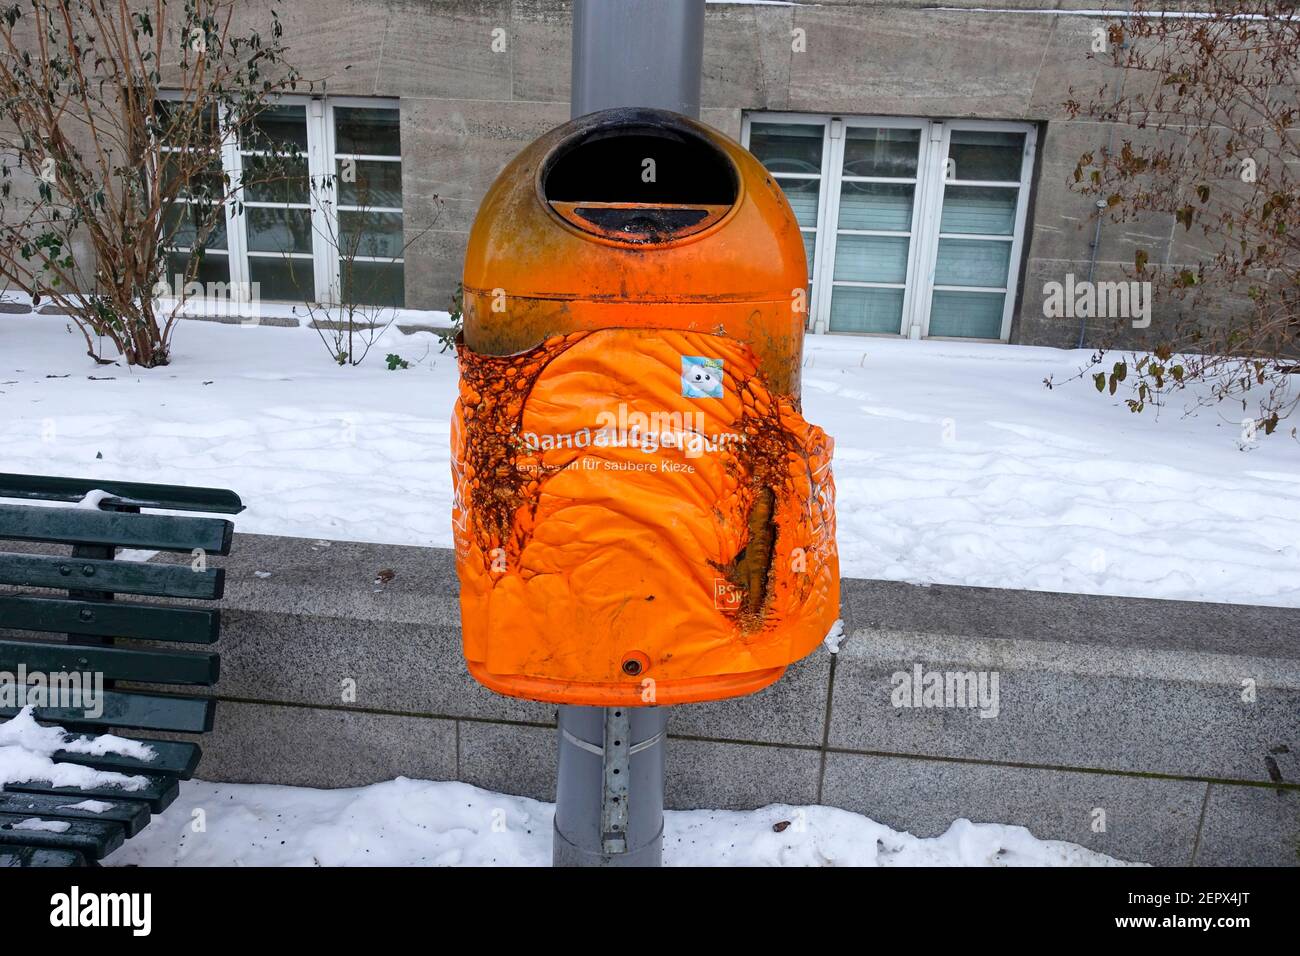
{"x":975,"y":315}
{"x":278,"y":128}
{"x":377,"y":234}
{"x":802,"y":196}
{"x":979,"y":154}
{"x":871,"y":259}
{"x":881,"y":151}
{"x":373,"y":283}
{"x":186,"y":219}
{"x":180,"y":124}
{"x":290,"y":280}
{"x":866,"y":310}
{"x":276,"y":179}
{"x":376,"y":132}
{"x":212,"y":267}
{"x":796,"y":148}
{"x":809,"y":244}
{"x":278,"y":230}
{"x":987,"y":210}
{"x":370,"y":184}
{"x":876,"y":206}
{"x":198,"y":179}
{"x":972,"y":262}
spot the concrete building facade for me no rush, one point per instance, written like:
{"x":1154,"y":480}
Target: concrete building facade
{"x":927,"y":151}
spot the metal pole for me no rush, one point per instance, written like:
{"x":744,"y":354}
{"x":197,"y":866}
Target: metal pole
{"x":637,"y":53}
{"x":609,"y":796}
{"x":609,"y":792}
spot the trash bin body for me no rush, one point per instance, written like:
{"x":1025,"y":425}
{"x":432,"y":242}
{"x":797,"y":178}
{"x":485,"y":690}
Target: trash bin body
{"x":642,"y":515}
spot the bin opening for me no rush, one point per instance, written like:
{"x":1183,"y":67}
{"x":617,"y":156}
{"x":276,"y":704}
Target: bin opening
{"x":640,"y":222}
{"x":642,"y":218}
{"x":640,"y":181}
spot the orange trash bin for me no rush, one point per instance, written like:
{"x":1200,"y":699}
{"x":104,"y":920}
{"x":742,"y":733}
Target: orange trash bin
{"x":642,"y":516}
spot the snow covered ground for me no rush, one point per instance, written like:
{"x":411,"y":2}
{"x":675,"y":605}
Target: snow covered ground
{"x":954,"y":464}
{"x":420,"y":823}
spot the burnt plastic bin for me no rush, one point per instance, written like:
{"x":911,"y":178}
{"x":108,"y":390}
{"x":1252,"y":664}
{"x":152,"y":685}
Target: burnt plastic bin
{"x":642,"y":514}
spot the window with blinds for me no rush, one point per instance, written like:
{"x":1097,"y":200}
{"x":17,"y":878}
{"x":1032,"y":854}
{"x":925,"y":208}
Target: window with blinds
{"x":794,"y":154}
{"x":912,"y":227}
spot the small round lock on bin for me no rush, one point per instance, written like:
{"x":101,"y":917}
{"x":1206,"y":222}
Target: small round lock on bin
{"x":642,"y":515}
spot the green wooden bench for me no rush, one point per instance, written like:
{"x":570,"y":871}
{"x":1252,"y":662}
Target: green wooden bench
{"x":98,"y":634}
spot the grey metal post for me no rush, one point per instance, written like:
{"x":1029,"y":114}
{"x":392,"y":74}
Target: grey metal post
{"x":609,"y":796}
{"x":609,"y":792}
{"x":637,"y":53}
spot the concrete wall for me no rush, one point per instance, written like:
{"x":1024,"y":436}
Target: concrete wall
{"x":1122,"y":710}
{"x":467,"y":110}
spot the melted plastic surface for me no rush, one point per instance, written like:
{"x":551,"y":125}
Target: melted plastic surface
{"x":606,"y":507}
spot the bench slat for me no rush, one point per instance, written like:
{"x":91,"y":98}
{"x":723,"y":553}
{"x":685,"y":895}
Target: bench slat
{"x":132,"y":815}
{"x":93,"y":838}
{"x":121,"y":528}
{"x":122,"y":577}
{"x":144,"y":622}
{"x":35,"y":856}
{"x":192,"y":715}
{"x":91,"y":619}
{"x":115,"y":663}
{"x":138,"y":494}
{"x":176,"y":758}
{"x":158,"y":792}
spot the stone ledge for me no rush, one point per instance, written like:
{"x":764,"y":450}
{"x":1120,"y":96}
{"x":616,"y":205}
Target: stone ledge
{"x":1126,"y":623}
{"x":1178,"y":688}
{"x":1087,"y":682}
{"x":1129,"y":704}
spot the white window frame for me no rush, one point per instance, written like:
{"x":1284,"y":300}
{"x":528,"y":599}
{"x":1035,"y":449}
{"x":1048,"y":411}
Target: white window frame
{"x":804,"y":119}
{"x":330,"y":158}
{"x":238,"y":223}
{"x":229,"y":252}
{"x":931,"y":185}
{"x":322,"y":196}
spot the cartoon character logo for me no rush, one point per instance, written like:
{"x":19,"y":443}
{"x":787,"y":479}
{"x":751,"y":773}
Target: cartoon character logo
{"x":701,"y":377}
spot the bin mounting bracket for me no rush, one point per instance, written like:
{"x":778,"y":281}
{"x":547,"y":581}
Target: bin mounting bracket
{"x":615,"y":760}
